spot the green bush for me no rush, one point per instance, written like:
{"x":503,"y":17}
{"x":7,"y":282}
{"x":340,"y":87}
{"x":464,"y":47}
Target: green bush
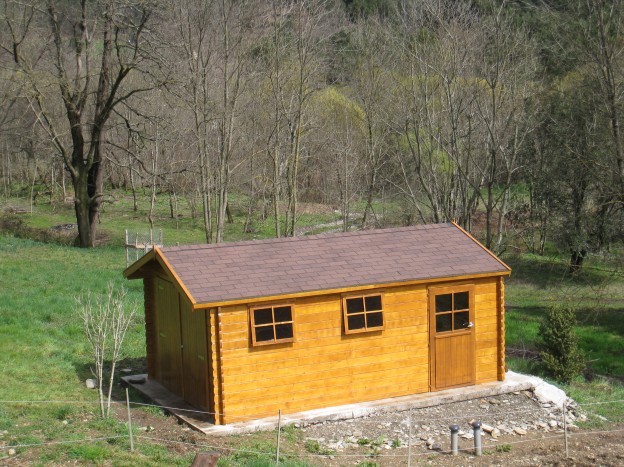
{"x":560,"y":352}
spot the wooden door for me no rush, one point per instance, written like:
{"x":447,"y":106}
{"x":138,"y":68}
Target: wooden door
{"x":195,"y":356}
{"x":451,"y":328}
{"x":168,"y":340}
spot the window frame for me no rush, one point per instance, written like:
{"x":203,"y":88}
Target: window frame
{"x":452,"y":289}
{"x":275,"y":340}
{"x":345,"y":315}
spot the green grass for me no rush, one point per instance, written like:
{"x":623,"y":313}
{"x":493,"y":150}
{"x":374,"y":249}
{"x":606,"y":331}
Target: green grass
{"x":117,"y":215}
{"x":597,"y":295}
{"x":44,"y":356}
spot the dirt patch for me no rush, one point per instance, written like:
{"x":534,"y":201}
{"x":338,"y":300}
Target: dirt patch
{"x":522,"y":431}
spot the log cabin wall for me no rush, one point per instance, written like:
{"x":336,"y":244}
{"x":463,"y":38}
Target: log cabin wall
{"x":489,"y":323}
{"x":150,"y":328}
{"x":325,"y":367}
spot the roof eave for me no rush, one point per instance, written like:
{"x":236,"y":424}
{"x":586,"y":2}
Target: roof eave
{"x":482,"y":246}
{"x":134,"y":271}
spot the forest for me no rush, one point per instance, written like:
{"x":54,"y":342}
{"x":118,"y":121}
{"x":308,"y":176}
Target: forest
{"x":502,"y":115}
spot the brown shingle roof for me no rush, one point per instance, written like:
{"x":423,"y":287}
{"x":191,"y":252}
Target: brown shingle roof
{"x":224,"y":272}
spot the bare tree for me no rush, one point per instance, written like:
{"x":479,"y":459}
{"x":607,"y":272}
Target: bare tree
{"x":93,"y":48}
{"x":293,"y":71}
{"x":106,"y":320}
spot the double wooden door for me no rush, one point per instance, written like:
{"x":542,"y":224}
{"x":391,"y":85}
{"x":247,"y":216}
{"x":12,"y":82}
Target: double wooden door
{"x":451,"y":331}
{"x":181,"y":345}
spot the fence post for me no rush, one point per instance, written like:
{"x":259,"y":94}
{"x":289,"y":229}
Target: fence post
{"x":129,"y":420}
{"x":476,"y":426}
{"x":279,"y":431}
{"x":565,"y":428}
{"x":409,"y":439}
{"x":454,"y":439}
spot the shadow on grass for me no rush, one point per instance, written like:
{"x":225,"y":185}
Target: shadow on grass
{"x":136,"y":366}
{"x":546,"y":273}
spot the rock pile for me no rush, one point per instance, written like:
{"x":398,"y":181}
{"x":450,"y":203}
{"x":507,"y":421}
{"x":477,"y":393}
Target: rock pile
{"x":515,"y":414}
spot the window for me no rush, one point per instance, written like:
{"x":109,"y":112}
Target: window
{"x":452,"y":311}
{"x":272,"y":325}
{"x":363,"y":313}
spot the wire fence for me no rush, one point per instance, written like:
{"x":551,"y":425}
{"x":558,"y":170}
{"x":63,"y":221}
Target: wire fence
{"x":414,"y":447}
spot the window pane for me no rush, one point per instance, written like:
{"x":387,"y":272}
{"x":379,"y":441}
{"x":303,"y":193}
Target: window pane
{"x":444,"y":302}
{"x":264,"y":333}
{"x":374,"y":320}
{"x":444,"y":322}
{"x":373,"y":303}
{"x":356,"y":322}
{"x":282,"y":313}
{"x":284,"y":331}
{"x":355,"y":305}
{"x":263,"y":316}
{"x":462,"y":320}
{"x":461,"y":301}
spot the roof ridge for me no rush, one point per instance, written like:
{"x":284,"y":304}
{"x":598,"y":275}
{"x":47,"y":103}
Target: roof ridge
{"x":321,"y":236}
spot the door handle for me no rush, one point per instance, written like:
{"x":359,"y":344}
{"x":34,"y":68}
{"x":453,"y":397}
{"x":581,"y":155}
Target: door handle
{"x":470,"y":324}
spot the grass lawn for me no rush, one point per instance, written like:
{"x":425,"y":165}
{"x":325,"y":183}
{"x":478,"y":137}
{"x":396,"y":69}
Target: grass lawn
{"x":597,"y":295}
{"x":44,"y":356}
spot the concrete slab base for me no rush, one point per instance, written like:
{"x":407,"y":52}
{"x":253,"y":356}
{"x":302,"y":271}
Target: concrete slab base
{"x":514,"y":382}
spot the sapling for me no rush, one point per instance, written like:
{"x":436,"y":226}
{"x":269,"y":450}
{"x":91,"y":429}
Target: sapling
{"x":106,"y":319}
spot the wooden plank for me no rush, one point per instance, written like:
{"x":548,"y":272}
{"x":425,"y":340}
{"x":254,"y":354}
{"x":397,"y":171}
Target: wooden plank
{"x":250,"y":367}
{"x":310,"y":371}
{"x":194,"y":355}
{"x":486,"y":344}
{"x":501,"y":367}
{"x":361,"y":341}
{"x":217,"y":362}
{"x":344,"y":391}
{"x":168,"y":341}
{"x":486,"y":377}
{"x":176,"y":405}
{"x":309,"y":399}
{"x":306,"y":400}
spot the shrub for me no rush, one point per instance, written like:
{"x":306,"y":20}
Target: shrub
{"x":560,"y":352}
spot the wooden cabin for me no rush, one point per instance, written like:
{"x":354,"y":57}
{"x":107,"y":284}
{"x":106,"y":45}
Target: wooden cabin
{"x":244,"y":329}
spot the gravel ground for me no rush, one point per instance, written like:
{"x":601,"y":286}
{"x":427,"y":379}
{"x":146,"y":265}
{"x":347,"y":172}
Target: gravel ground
{"x":505,"y":419}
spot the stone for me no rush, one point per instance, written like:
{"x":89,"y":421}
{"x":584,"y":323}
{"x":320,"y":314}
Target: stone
{"x":436,"y":447}
{"x":541,"y":425}
{"x":553,"y":423}
{"x":91,"y":383}
{"x":495,"y":433}
{"x":467,"y":436}
{"x":64,"y":422}
{"x":356,"y":434}
{"x":487,"y":428}
{"x":494,"y":401}
{"x":519,"y":431}
{"x":572,"y":427}
{"x":11,"y":452}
